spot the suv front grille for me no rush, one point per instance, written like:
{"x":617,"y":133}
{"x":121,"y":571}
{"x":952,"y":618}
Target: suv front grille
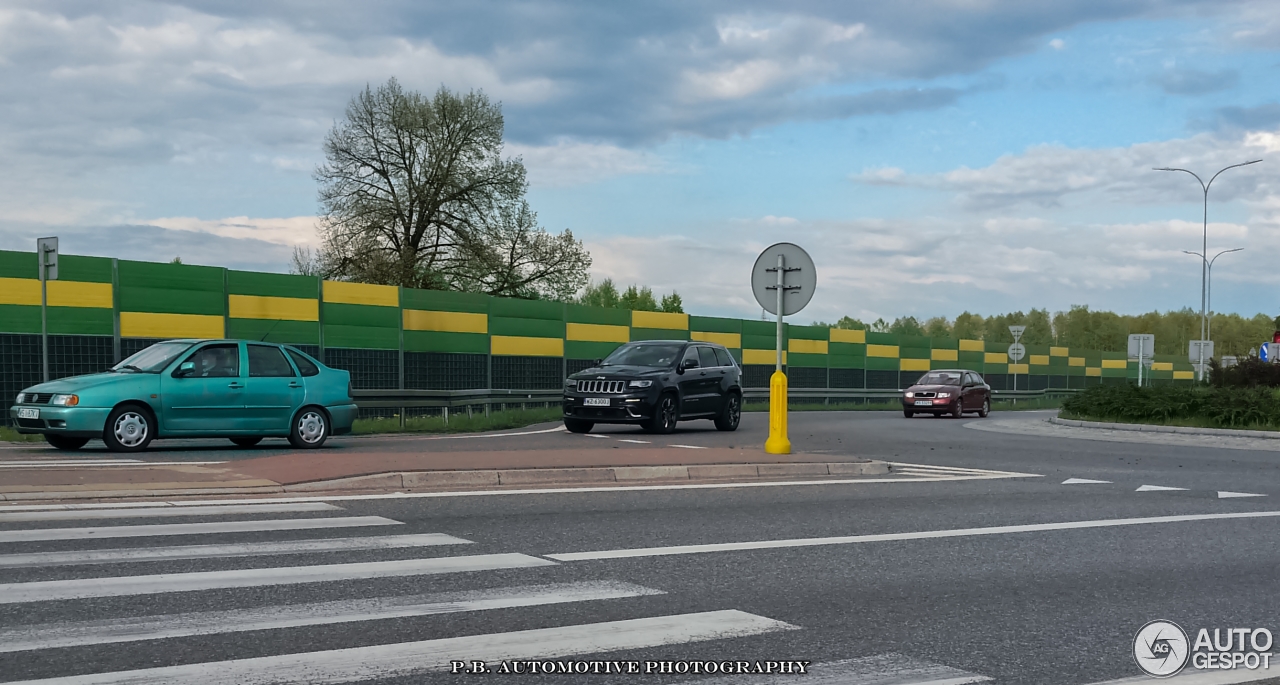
{"x":603,"y":387}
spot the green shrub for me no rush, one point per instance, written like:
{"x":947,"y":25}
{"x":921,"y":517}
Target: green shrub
{"x":1250,"y":372}
{"x":1226,"y":407}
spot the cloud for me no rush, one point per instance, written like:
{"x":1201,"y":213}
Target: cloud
{"x":298,"y":231}
{"x":570,"y":163}
{"x":1195,"y":82}
{"x":154,"y":244}
{"x":1057,"y":44}
{"x":1266,"y":116}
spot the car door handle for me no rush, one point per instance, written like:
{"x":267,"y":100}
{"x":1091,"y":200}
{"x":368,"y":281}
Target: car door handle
{"x":294,"y":385}
{"x":234,"y":384}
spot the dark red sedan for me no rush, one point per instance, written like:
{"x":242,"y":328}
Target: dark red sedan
{"x":947,"y":391}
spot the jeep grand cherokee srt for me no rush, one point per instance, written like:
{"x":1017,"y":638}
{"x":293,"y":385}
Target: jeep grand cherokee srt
{"x":654,"y":384}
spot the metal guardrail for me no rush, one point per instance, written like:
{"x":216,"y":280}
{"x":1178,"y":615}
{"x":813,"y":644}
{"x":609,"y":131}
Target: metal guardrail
{"x":468,"y":400}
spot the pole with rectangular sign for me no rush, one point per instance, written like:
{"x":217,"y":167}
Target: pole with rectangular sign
{"x":47,"y":260}
{"x":1142,"y":346}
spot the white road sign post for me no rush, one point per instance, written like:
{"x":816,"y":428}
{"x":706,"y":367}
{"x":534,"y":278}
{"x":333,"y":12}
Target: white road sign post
{"x":1142,"y":346}
{"x":1017,"y":351}
{"x":47,"y":262}
{"x":1197,"y":352}
{"x":783,"y":280}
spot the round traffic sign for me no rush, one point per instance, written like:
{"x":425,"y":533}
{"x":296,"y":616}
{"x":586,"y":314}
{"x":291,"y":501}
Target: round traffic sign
{"x":799,"y":278}
{"x":1017,"y":351}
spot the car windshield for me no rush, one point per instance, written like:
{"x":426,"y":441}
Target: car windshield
{"x":153,"y":359}
{"x":644,"y":355}
{"x":940,"y":378}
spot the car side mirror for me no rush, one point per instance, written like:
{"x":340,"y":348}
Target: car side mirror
{"x":597,"y":362}
{"x":185,"y":369}
{"x":687,"y":364}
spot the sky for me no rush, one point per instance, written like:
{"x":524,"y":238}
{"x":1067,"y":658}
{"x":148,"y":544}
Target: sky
{"x":934,"y":157}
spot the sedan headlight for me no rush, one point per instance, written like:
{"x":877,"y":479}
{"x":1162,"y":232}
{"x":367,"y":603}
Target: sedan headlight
{"x":910,"y":395}
{"x":943,"y":395}
{"x":639,"y":384}
{"x":22,"y":397}
{"x":65,"y":400}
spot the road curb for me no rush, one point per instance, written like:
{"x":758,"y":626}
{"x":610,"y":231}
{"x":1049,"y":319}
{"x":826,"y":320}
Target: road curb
{"x":1181,"y":430}
{"x":436,"y":480}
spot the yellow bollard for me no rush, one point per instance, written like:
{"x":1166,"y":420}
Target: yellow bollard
{"x":777,"y":442}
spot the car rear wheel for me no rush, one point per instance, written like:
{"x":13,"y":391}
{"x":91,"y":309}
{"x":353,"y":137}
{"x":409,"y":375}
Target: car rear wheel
{"x":578,"y":425}
{"x":63,"y":442}
{"x":310,"y":429}
{"x":129,"y":428}
{"x":728,"y":419}
{"x":986,"y":408}
{"x":246,"y":442}
{"x":908,"y":413}
{"x":664,"y":416}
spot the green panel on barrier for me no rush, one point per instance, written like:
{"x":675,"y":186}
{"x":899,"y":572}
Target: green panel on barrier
{"x":18,"y":318}
{"x":881,"y":338}
{"x":577,"y":349}
{"x":526,"y":309}
{"x":970,"y":357}
{"x":359,"y":315}
{"x":526,"y":328}
{"x":944,"y":343}
{"x":170,"y":276}
{"x":603,"y":316}
{"x":658,"y":334}
{"x":445,"y":301}
{"x":1076,"y":371}
{"x":881,"y":364}
{"x":997,"y":346}
{"x":1038,"y":370}
{"x":715,"y":324}
{"x":808,"y":332}
{"x":361,"y":337}
{"x":799,"y":359}
{"x":1037,"y":349}
{"x":84,"y":269}
{"x":916,"y":341}
{"x":995,"y":368}
{"x":1114,"y":355}
{"x":172,"y":301}
{"x":914,"y":352}
{"x":279,"y":331}
{"x":841,"y":361}
{"x":80,"y":320}
{"x":435,"y":341}
{"x":272,"y":285}
{"x":760,"y":342}
{"x":847,"y":349}
{"x":769,"y":328}
{"x":18,"y":265}
{"x":737,"y":356}
{"x":1091,"y":357}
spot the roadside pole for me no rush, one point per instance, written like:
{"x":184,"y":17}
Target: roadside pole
{"x":47,"y":260}
{"x":764,"y":279}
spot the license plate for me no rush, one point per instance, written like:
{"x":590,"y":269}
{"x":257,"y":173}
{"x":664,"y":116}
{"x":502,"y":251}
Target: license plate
{"x":28,"y":413}
{"x":924,"y":403}
{"x":595,"y":402}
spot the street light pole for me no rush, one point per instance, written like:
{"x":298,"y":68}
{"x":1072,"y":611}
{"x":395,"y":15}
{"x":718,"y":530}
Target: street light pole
{"x":1209,"y":288}
{"x":1204,"y":249}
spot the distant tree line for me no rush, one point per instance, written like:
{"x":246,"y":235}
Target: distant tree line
{"x":639,"y":299}
{"x":1083,"y":328}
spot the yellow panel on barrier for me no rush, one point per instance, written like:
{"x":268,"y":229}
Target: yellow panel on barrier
{"x":972,"y":346}
{"x":1075,"y":361}
{"x":1115,"y":364}
{"x":730,"y":340}
{"x":802,"y":346}
{"x":594,"y":332}
{"x":152,"y":325}
{"x":1093,"y":371}
{"x":1040,"y":359}
{"x":944,"y":355}
{"x":762,"y":357}
{"x":885,"y":351}
{"x":844,"y":335}
{"x":995,"y":358}
{"x":278,"y":308}
{"x":1019,"y":368}
{"x":1059,"y":352}
{"x":516,"y":346}
{"x":341,"y":292}
{"x":20,"y":291}
{"x":913,"y":364}
{"x":80,"y":294}
{"x":1184,"y":375}
{"x":666,"y":320}
{"x":445,"y":322}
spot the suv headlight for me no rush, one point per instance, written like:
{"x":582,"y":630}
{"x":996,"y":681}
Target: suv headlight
{"x":571,"y":382}
{"x":22,"y":397}
{"x":65,"y":400}
{"x":639,"y":384}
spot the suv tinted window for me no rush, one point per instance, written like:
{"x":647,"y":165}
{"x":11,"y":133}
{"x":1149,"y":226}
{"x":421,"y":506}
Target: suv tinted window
{"x":723,"y":357}
{"x":707,"y":358}
{"x":305,"y":367}
{"x":216,"y":361}
{"x":268,"y":362}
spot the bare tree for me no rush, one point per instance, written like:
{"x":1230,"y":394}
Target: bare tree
{"x":415,"y":192}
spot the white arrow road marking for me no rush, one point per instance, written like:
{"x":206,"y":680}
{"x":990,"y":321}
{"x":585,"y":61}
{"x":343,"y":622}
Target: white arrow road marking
{"x":1156,"y":488}
{"x":1223,"y":494}
{"x":1082,"y":481}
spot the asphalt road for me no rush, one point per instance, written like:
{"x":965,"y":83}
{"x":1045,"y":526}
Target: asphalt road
{"x":1045,"y":604}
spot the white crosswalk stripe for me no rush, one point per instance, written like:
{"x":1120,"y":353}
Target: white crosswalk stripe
{"x":165,"y":512}
{"x":166,"y":529}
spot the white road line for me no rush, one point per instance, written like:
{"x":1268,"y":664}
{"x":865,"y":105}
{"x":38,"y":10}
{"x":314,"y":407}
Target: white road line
{"x":950,"y":470}
{"x":248,"y":549}
{"x":81,"y":464}
{"x":409,"y":658}
{"x":593,"y":435}
{"x":636,"y":442}
{"x":1194,"y":677}
{"x":130,"y":586}
{"x":688,"y":447}
{"x":116,"y":630}
{"x":880,"y":669}
{"x":1224,"y":494}
{"x":1083,"y":481}
{"x":208,"y":528}
{"x":889,"y":537}
{"x":1156,"y":488}
{"x":73,"y":462}
{"x":154,"y":512}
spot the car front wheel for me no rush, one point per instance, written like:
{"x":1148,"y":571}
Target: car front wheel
{"x":129,"y":429}
{"x":986,"y":408}
{"x":908,"y":413}
{"x":310,"y":429}
{"x":578,"y":425}
{"x":729,"y":419}
{"x":664,"y":416}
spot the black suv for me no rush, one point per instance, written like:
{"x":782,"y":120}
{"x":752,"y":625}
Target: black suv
{"x":654,"y":384}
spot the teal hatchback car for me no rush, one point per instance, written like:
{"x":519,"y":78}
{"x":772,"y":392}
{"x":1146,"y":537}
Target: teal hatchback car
{"x":237,"y":389}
